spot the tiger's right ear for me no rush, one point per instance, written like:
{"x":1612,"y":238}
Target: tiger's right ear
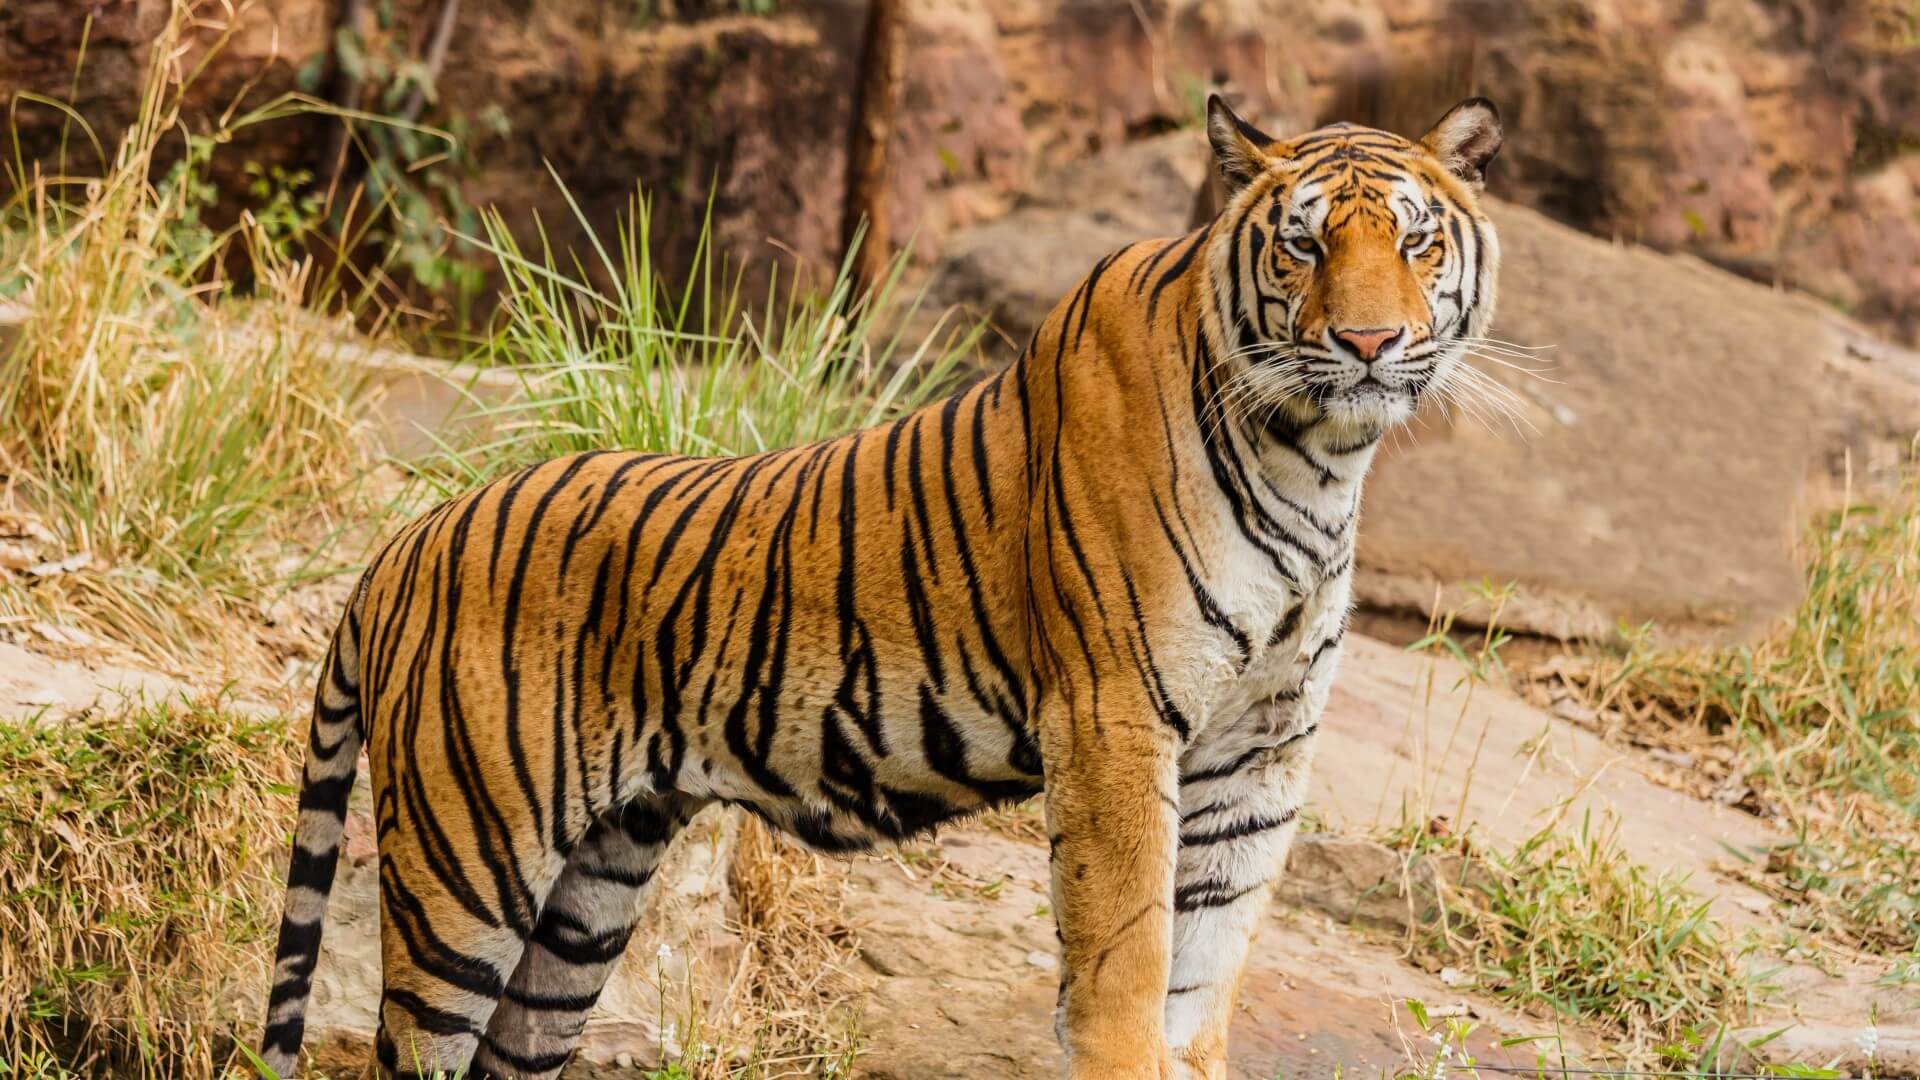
{"x":1239,"y":148}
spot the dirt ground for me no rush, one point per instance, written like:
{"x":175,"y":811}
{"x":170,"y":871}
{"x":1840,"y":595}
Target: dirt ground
{"x":955,"y":966}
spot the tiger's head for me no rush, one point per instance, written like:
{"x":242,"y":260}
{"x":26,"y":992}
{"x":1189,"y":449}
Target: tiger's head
{"x":1351,"y":267}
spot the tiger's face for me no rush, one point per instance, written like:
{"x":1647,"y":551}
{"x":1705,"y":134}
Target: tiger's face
{"x":1357,"y":266}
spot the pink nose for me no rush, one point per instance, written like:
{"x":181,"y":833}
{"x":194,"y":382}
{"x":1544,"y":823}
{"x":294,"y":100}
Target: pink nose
{"x":1366,"y":344}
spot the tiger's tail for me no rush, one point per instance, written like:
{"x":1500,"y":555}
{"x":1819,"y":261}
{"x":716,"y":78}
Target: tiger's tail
{"x":333,"y":750}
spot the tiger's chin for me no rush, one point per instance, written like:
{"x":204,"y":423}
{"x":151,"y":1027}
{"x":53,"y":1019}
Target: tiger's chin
{"x":1368,"y":407}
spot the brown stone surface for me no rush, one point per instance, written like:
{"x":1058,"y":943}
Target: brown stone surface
{"x":1775,"y":137}
{"x":962,"y":984}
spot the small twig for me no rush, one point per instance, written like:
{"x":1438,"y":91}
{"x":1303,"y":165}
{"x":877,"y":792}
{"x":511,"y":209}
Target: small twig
{"x":436,"y":59}
{"x":345,"y":93}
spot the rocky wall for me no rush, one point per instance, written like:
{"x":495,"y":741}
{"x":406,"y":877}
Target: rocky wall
{"x":1777,"y":138}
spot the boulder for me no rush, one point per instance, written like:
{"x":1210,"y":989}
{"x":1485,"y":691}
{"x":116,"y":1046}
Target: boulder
{"x":1014,"y":269}
{"x":1755,"y":134}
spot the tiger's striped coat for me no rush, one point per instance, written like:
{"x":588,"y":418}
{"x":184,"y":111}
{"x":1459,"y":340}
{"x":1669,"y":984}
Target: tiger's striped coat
{"x":1117,"y":572}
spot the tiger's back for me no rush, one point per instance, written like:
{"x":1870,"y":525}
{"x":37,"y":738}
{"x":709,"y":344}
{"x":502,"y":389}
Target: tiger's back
{"x":758,"y":630}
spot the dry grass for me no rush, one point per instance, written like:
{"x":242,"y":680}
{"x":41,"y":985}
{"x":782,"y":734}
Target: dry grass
{"x":787,"y":1009}
{"x":137,"y":851}
{"x":1025,"y":821}
{"x":1816,"y":726}
{"x":174,"y":442}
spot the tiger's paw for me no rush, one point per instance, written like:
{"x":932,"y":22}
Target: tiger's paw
{"x":1198,"y":1067}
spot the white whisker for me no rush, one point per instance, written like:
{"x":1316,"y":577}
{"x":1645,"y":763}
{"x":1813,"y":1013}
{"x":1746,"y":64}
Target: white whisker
{"x":1533,"y":372}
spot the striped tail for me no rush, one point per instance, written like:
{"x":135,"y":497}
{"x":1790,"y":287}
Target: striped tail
{"x":333,"y":748}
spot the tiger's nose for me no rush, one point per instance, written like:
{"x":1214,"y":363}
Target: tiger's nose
{"x":1367,"y":344}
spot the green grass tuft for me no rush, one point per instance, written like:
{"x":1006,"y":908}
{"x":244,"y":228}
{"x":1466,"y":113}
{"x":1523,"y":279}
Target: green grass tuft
{"x":636,"y":363}
{"x":1572,"y":926}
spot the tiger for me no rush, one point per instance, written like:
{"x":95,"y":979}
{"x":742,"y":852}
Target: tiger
{"x":1115,"y":574}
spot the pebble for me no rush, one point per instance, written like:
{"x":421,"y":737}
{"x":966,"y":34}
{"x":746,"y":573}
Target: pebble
{"x":1045,"y":961}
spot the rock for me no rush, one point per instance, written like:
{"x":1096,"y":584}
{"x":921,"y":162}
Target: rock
{"x":43,"y":44}
{"x":973,"y":1003}
{"x":1772,"y":138}
{"x":1013,"y":270}
{"x":1744,"y":131}
{"x":1431,"y":742}
{"x":1363,"y":883}
{"x":1843,"y":1046}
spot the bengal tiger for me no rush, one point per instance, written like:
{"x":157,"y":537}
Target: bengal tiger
{"x":1116,"y":572}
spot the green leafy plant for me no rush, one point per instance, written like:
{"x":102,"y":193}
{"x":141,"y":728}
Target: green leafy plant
{"x":412,"y":171}
{"x":641,"y":365}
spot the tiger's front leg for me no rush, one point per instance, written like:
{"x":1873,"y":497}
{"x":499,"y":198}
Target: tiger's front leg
{"x":1112,"y":819}
{"x":1240,"y":797}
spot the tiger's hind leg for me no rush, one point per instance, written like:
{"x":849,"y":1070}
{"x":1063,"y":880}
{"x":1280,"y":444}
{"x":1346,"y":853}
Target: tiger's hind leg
{"x":445,"y":957}
{"x":583,"y":930}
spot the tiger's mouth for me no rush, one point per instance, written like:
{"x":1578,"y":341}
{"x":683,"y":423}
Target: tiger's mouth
{"x":1373,"y":400}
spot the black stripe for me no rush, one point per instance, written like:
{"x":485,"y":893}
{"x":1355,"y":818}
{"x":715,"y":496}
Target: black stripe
{"x":1211,"y":893}
{"x":579,"y":946}
{"x":283,"y":1037}
{"x":527,"y":999}
{"x":430,"y":1018}
{"x":1239,"y":830}
{"x":312,"y":869}
{"x":527,"y":1063}
{"x":1179,"y":267}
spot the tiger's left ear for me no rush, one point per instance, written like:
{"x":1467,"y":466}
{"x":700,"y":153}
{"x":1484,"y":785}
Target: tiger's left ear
{"x":1466,"y":140}
{"x":1239,"y":148}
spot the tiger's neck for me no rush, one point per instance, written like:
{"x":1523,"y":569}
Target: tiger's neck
{"x":1289,"y":476}
{"x":1128,"y":417}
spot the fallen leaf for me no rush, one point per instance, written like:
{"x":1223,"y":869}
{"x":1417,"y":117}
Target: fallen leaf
{"x":16,"y":556}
